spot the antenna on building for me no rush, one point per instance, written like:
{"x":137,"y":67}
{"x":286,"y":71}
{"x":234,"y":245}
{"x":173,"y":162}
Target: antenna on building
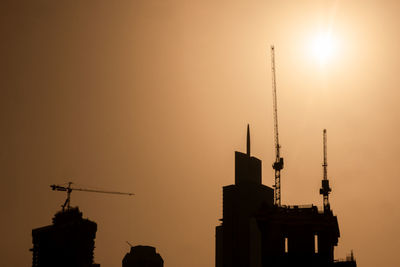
{"x":325,"y":189}
{"x":278,"y":164}
{"x":248,"y":140}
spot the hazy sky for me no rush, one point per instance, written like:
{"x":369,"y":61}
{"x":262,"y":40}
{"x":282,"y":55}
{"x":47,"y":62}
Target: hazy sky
{"x":153,"y":97}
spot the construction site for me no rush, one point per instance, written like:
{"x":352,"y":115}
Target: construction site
{"x":256,"y":229}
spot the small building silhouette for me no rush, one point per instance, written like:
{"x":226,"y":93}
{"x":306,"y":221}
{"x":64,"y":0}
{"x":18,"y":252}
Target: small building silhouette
{"x":257,"y":233}
{"x":142,"y":256}
{"x":68,"y":242}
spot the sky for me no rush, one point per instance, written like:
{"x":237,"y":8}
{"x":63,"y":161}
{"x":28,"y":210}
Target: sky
{"x":153,"y":97}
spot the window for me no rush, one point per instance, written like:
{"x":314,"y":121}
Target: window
{"x":286,"y":245}
{"x":315,"y":243}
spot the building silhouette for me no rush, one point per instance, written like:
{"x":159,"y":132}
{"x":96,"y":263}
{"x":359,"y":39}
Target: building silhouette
{"x":68,"y":242}
{"x":256,"y":233}
{"x":142,"y":256}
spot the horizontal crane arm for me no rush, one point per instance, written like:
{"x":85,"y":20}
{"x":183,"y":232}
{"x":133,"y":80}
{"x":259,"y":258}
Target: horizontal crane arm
{"x":69,"y":190}
{"x":102,"y":191}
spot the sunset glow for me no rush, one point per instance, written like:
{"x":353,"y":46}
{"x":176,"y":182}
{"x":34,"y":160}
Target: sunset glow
{"x":324,"y":48}
{"x":154,"y":98}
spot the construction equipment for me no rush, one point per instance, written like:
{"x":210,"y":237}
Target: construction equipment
{"x":278,"y":164}
{"x":69,"y":190}
{"x":325,"y":190}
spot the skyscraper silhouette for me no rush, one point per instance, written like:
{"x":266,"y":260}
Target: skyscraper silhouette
{"x":238,"y":238}
{"x":256,"y":233}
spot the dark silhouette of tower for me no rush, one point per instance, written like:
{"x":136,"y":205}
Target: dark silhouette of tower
{"x":238,"y":238}
{"x":142,"y":256}
{"x":255,"y":232}
{"x":68,"y":242}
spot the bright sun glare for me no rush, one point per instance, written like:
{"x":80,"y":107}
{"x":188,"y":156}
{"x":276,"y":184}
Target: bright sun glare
{"x":323,"y":48}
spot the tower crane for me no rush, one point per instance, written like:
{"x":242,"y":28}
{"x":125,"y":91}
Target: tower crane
{"x":325,"y":189}
{"x":278,"y":164}
{"x":69,"y":190}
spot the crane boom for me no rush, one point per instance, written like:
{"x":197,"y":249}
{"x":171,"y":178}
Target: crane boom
{"x":69,"y":190}
{"x":275,"y":104}
{"x":325,"y":189}
{"x":278,"y":164}
{"x":325,"y":165}
{"x":102,"y":191}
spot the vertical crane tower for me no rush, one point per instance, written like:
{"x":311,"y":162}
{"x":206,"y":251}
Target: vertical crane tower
{"x":325,"y":189}
{"x":278,"y":164}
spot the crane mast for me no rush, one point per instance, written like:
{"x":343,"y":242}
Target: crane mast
{"x":325,"y":189}
{"x":278,"y":164}
{"x":69,"y":190}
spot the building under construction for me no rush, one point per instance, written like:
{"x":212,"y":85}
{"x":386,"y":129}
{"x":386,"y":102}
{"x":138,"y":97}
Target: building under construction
{"x":68,"y":242}
{"x":257,"y":231}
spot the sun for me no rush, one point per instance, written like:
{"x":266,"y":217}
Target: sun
{"x":324,"y":48}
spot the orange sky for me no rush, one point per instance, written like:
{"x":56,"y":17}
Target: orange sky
{"x":153,"y":97}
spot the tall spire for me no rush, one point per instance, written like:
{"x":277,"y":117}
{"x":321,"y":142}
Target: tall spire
{"x":248,"y":140}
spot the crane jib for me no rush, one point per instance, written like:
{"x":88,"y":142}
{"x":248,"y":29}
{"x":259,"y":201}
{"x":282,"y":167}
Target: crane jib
{"x":278,"y":164}
{"x":69,"y":190}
